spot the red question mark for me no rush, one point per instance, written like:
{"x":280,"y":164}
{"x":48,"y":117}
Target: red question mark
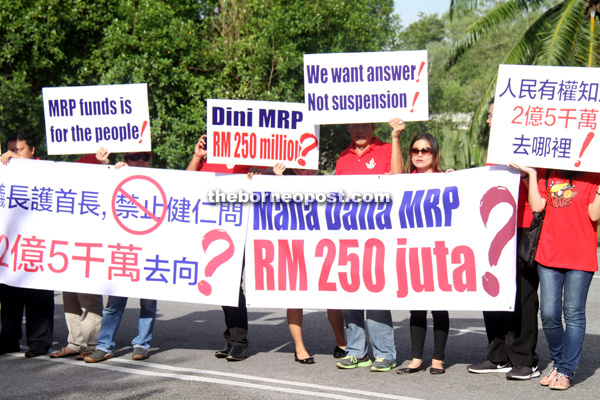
{"x":212,"y":236}
{"x":308,"y":148}
{"x":491,"y":199}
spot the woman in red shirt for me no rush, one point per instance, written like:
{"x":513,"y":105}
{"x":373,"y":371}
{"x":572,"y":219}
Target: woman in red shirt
{"x":566,"y":261}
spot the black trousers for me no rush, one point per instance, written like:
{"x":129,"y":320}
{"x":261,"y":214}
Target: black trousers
{"x":418,"y":331}
{"x":236,"y":320}
{"x":39,"y":311}
{"x":512,"y":336}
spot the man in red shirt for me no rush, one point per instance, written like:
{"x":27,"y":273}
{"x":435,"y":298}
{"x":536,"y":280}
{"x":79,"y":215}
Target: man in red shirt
{"x":369,"y":156}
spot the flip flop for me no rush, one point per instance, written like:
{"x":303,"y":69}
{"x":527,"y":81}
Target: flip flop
{"x":64,"y":352}
{"x":84,"y":354}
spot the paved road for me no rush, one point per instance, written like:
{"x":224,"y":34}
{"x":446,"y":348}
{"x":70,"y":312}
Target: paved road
{"x":182,"y":364}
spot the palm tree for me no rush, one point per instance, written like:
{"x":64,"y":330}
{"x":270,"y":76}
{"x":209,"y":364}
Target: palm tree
{"x":562,"y":33}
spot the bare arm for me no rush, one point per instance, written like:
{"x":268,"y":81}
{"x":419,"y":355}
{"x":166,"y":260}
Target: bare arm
{"x":536,"y":202}
{"x":594,"y":207}
{"x":397,"y":162}
{"x":199,"y":153}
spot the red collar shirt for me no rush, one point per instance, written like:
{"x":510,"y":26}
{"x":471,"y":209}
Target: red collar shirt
{"x":376,"y":160}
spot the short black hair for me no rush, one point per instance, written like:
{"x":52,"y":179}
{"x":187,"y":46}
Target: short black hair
{"x":15,"y":137}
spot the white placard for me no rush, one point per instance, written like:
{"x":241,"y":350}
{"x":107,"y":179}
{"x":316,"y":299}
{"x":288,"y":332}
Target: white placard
{"x":81,"y":119}
{"x":546,"y":117}
{"x":366,"y":87}
{"x":262,"y":133}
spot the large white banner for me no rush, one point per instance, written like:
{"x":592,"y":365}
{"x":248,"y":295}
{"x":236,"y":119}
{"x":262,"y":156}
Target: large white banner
{"x":546,"y":117}
{"x":444,"y":242}
{"x":343,"y":88}
{"x":263,"y":133}
{"x":136,"y":232}
{"x":81,"y":119}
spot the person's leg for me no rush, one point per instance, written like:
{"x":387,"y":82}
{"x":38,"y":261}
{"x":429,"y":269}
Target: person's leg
{"x":336,"y":319}
{"x":39,"y":314}
{"x":91,"y":319}
{"x":495,"y":330}
{"x":11,"y":311}
{"x":381,"y":334}
{"x":522,"y":324}
{"x":576,"y":287}
{"x":551,"y":290}
{"x":236,"y":321}
{"x":112,"y":315}
{"x":145,"y":324}
{"x":418,"y":332}
{"x":73,"y":319}
{"x":441,"y":328}
{"x":356,"y":344}
{"x":294,"y":318}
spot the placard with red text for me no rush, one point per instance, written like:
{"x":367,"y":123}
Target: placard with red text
{"x":546,"y":117}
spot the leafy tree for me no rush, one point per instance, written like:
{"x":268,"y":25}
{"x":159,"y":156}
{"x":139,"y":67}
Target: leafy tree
{"x":560,"y":33}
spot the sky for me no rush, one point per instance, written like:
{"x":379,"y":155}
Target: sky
{"x":409,"y":9}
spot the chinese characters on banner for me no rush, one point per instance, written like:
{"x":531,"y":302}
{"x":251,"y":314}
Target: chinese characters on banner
{"x":81,"y":119}
{"x":446,"y":241}
{"x":346,"y":88}
{"x":244,"y":132}
{"x":546,"y":117}
{"x":134,"y":232}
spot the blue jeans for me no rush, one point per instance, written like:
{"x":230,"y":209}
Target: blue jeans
{"x":565,"y":343}
{"x":379,"y":327}
{"x":111,"y":319}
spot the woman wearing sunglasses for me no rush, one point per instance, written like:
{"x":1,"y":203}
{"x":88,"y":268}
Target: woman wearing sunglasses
{"x":424,"y":157}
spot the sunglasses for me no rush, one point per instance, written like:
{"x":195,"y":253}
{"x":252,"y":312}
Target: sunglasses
{"x":138,"y":157}
{"x":425,"y":151}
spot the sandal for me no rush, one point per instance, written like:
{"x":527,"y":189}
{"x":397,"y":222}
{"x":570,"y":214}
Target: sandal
{"x":546,"y":380}
{"x":64,"y":352}
{"x":564,"y":380}
{"x":84,"y":354}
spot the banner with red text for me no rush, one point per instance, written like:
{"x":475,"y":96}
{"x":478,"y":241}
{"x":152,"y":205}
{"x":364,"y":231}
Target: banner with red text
{"x":263,"y":133}
{"x":343,"y":88}
{"x":546,"y":117}
{"x":443,"y":241}
{"x":134,"y":232}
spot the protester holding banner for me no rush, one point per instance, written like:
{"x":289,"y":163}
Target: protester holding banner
{"x":295,"y":315}
{"x":236,"y":318}
{"x":115,"y":306}
{"x":512,"y":335}
{"x":38,"y":304}
{"x":83,"y":313}
{"x":566,"y":261}
{"x":369,"y":156}
{"x":424,"y":157}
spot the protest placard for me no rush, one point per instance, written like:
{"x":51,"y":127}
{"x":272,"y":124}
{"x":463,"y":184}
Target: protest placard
{"x":81,"y":119}
{"x":546,"y":117}
{"x":443,"y":242}
{"x":244,"y":132}
{"x":345,"y":88}
{"x":133,"y":232}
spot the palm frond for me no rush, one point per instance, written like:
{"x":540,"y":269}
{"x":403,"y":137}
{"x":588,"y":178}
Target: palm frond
{"x":461,"y":7}
{"x":557,"y":46}
{"x":503,"y":13}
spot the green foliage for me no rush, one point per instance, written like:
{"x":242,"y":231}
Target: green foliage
{"x":186,"y":51}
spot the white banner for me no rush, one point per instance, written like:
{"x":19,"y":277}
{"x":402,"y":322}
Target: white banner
{"x":81,"y":119}
{"x":445,"y":242}
{"x":263,"y":133}
{"x":135,"y":232}
{"x":546,"y":117}
{"x":343,"y":88}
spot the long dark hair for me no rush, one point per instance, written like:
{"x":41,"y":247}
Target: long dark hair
{"x":435,"y":149}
